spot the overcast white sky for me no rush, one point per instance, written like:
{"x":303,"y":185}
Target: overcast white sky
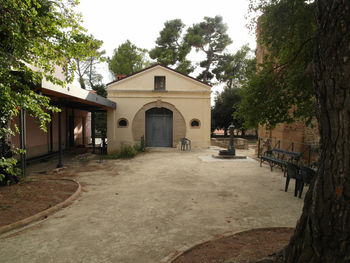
{"x":140,"y":21}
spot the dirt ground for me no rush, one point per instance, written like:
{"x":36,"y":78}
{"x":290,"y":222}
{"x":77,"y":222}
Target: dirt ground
{"x":44,"y":187}
{"x":154,"y":206}
{"x":30,"y":197}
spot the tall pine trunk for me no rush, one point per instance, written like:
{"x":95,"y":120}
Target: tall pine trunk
{"x":323,"y":231}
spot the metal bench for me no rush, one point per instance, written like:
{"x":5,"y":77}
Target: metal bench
{"x":279,"y":157}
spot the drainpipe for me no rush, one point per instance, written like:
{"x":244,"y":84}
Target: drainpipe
{"x":51,"y":133}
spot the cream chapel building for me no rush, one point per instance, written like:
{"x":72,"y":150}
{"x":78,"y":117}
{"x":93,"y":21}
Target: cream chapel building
{"x":162,"y":105}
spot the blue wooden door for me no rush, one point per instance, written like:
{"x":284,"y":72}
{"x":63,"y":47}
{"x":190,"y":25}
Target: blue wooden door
{"x":159,"y":127}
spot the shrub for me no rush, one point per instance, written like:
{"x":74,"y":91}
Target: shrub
{"x":8,"y":171}
{"x":138,"y":147}
{"x":126,"y":151}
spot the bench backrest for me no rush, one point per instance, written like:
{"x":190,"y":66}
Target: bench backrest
{"x":294,"y":155}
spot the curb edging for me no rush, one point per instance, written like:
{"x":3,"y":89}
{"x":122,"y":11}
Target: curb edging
{"x":45,"y":213}
{"x":175,"y":255}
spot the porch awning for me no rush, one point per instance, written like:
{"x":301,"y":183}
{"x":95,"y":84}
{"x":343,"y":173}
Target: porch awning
{"x":75,"y":97}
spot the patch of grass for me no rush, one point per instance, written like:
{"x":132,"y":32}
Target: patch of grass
{"x":138,"y":147}
{"x":126,"y":152}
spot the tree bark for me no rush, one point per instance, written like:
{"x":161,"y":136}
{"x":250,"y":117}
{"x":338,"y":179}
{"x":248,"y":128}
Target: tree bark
{"x":210,"y":55}
{"x":323,"y":231}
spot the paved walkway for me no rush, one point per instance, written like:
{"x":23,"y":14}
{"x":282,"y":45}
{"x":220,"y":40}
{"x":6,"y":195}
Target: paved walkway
{"x":144,"y":209}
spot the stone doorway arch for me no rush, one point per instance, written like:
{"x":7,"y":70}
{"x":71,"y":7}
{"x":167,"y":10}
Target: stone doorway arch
{"x":139,"y":121}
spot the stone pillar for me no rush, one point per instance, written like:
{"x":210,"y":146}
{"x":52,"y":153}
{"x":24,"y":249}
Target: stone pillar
{"x":93,"y":136}
{"x":23,"y":133}
{"x":60,"y":150}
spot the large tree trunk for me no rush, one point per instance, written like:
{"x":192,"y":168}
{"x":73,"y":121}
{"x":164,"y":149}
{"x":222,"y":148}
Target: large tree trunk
{"x":323,"y":231}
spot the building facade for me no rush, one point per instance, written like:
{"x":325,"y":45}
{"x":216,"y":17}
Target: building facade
{"x":160,"y":104}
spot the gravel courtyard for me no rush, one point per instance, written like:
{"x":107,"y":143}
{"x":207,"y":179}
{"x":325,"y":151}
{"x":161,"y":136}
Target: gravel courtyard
{"x":147,"y":208}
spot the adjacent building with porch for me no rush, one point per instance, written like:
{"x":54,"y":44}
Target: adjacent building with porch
{"x":161,"y":105}
{"x":72,"y":127}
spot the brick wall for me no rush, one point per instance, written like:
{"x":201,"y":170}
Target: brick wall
{"x":294,"y":136}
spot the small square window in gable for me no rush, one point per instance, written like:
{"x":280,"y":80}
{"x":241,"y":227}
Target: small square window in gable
{"x":159,"y":82}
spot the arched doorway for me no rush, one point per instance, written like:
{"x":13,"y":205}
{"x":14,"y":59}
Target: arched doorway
{"x":159,"y":127}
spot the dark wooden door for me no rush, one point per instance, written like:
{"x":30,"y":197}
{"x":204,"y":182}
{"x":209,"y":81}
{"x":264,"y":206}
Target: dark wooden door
{"x":159,"y":127}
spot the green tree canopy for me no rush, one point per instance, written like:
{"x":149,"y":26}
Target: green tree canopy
{"x":308,"y":43}
{"x":211,"y":38}
{"x":36,"y":34}
{"x":222,"y":113}
{"x":127,"y":59}
{"x":171,"y":49}
{"x":233,"y":69}
{"x":86,"y":66}
{"x":282,"y":89}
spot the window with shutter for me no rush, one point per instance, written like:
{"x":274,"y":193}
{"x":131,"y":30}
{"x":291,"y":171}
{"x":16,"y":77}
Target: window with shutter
{"x":159,"y":83}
